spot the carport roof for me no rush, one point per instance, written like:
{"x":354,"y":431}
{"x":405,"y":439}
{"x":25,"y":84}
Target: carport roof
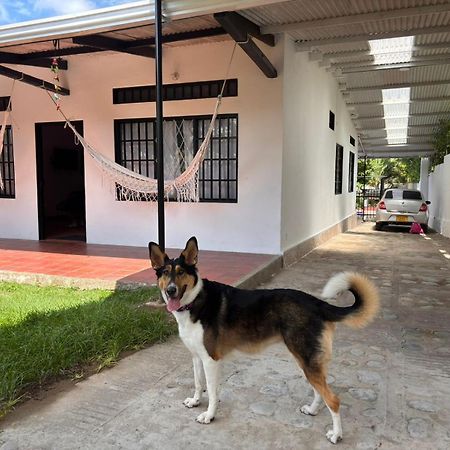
{"x":340,"y":35}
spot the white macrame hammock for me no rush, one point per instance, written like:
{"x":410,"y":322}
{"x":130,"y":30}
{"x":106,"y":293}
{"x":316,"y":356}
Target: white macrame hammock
{"x":183,"y":184}
{"x":131,"y":185}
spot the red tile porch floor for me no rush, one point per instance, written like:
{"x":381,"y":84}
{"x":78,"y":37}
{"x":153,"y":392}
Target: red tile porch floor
{"x":110,"y":266}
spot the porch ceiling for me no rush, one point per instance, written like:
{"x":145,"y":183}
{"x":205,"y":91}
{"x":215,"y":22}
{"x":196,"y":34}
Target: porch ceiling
{"x":341,"y":35}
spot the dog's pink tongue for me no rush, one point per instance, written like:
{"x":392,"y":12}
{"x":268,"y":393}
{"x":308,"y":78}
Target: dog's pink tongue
{"x":173,"y":304}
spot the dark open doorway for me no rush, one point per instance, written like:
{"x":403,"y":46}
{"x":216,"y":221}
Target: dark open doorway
{"x":60,"y":178}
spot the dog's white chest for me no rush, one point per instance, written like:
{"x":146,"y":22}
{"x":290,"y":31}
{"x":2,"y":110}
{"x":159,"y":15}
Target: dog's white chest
{"x":190,"y":333}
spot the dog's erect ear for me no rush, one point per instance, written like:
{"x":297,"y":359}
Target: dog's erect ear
{"x":157,"y":256}
{"x":190,"y":253}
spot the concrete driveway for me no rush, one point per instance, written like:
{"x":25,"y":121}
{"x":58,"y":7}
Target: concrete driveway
{"x":393,"y":377}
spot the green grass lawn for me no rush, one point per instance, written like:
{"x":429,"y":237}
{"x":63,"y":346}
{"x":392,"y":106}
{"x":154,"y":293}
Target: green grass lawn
{"x":50,"y":332}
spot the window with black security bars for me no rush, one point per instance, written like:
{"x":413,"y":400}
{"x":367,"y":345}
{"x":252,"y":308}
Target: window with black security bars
{"x":135,"y":145}
{"x":135,"y":150}
{"x":351,"y":172}
{"x":218,"y":172}
{"x":338,"y":168}
{"x":7,"y":166}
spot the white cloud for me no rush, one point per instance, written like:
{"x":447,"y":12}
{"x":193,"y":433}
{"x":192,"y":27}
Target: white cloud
{"x":63,"y":7}
{"x":4,"y":16}
{"x":19,"y":7}
{"x":13,"y":11}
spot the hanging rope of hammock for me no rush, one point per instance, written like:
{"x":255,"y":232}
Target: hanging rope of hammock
{"x":130,"y":185}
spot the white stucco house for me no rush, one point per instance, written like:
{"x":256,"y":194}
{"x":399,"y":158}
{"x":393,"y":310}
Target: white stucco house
{"x":286,"y":156}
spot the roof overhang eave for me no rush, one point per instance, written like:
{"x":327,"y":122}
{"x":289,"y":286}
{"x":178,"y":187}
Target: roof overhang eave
{"x":117,"y":17}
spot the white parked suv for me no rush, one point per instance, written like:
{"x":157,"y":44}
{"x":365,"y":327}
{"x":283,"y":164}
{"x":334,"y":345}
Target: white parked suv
{"x":402,"y":207}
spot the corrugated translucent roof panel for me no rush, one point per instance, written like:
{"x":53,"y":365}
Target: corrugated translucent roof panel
{"x":434,"y":38}
{"x":365,"y":96}
{"x":430,"y":107}
{"x":440,"y":91}
{"x":379,"y":133}
{"x":370,"y":123}
{"x":370,"y":110}
{"x":421,"y":131}
{"x":426,"y":120}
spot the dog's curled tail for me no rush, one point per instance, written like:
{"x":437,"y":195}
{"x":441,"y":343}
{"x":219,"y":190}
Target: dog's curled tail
{"x":367,"y":300}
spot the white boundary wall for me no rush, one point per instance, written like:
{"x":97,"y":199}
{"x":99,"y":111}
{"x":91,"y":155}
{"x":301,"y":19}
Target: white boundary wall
{"x":439,"y":195}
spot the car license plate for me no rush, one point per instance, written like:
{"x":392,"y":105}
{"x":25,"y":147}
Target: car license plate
{"x":402,"y":218}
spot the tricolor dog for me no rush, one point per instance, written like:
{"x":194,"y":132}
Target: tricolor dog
{"x":215,"y":319}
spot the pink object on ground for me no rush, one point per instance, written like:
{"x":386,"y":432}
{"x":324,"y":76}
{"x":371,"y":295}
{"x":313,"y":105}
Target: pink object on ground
{"x":416,"y":228}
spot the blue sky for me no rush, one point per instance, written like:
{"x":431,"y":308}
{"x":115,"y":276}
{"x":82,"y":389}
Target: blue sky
{"x":13,"y":11}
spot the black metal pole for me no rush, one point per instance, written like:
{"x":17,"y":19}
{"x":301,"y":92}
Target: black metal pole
{"x":159,"y":124}
{"x":364,"y":188}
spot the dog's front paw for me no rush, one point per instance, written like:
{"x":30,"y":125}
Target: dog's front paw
{"x":333,"y":437}
{"x":191,"y":402}
{"x":306,"y":409}
{"x":204,"y":418}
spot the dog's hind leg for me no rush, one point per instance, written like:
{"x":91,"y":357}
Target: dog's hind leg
{"x":316,"y":376}
{"x":313,"y":408}
{"x":211,"y":368}
{"x":315,"y":367}
{"x":191,"y":402}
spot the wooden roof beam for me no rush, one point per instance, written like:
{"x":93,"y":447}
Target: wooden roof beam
{"x":17,"y":58}
{"x":241,"y":30}
{"x":78,"y":50}
{"x":33,"y":81}
{"x":116,"y":45}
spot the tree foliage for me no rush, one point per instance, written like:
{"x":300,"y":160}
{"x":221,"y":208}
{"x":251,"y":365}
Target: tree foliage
{"x":441,"y":142}
{"x":395,"y":171}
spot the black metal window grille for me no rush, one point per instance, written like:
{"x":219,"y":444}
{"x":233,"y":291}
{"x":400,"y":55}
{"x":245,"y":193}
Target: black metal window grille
{"x":331,"y":120}
{"x":218,"y":172}
{"x":4,"y":101}
{"x":135,"y":145}
{"x":352,"y":141}
{"x":135,"y":149}
{"x":351,"y":172}
{"x":338,"y":169}
{"x":177,"y":91}
{"x":7,"y":166}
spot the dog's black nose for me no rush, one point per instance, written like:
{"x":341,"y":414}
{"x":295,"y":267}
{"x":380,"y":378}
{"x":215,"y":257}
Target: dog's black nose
{"x":171,"y":290}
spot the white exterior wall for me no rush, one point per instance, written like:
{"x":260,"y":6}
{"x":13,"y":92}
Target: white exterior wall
{"x":439,"y":195}
{"x":251,"y":225}
{"x":309,"y":204}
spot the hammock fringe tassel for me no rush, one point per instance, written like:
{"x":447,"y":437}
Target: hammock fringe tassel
{"x":130,"y":185}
